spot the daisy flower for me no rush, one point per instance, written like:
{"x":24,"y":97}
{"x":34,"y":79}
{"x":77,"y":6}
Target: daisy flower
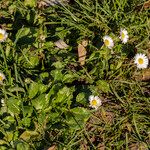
{"x":95,"y":101}
{"x":141,"y":60}
{"x":108,"y":42}
{"x":124,"y":36}
{"x":2,"y":77}
{"x":3,"y":35}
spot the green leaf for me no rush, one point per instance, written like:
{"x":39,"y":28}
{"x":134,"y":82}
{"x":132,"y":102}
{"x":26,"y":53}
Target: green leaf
{"x":42,"y":88}
{"x":54,"y":116}
{"x":7,"y":50}
{"x":27,"y":111}
{"x":8,"y":136}
{"x":81,"y":98}
{"x":23,"y":146}
{"x":58,"y":64}
{"x":119,"y":65}
{"x":44,"y":75}
{"x":2,"y":142}
{"x":26,"y":121}
{"x":33,"y":89}
{"x":59,"y":29}
{"x":22,"y":32}
{"x":61,"y":32}
{"x":94,"y":55}
{"x":49,"y":44}
{"x":57,"y":75}
{"x":39,"y":102}
{"x":68,"y":78}
{"x":103,"y":86}
{"x":4,"y":148}
{"x":16,"y":89}
{"x":54,"y":89}
{"x":26,"y":135}
{"x":34,"y":60}
{"x":42,"y":117}
{"x":30,"y":3}
{"x":9,"y":119}
{"x":64,"y":95}
{"x":13,"y":105}
{"x":77,"y":117}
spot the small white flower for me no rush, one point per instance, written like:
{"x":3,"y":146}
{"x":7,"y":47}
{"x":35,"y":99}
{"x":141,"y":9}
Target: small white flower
{"x":95,"y":101}
{"x":124,"y":35}
{"x":3,"y":35}
{"x":2,"y":77}
{"x":2,"y":102}
{"x":108,"y":42}
{"x":141,"y":60}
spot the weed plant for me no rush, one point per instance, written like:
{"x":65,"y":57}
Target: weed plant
{"x":45,"y":93}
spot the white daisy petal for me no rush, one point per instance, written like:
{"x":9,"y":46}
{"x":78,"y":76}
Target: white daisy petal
{"x":96,"y":97}
{"x":95,"y":101}
{"x":3,"y":35}
{"x":124,"y":35}
{"x":141,"y":60}
{"x":91,"y":97}
{"x":108,"y":42}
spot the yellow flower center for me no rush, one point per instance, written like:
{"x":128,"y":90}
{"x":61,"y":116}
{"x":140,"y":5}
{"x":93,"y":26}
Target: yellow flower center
{"x":122,"y":35}
{"x":1,"y":36}
{"x":106,"y":42}
{"x":140,"y":61}
{"x":94,"y":102}
{"x":1,"y":78}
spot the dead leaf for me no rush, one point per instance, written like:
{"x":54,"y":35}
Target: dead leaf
{"x":143,"y":146}
{"x":143,"y":6}
{"x":84,"y":43}
{"x":83,"y":145}
{"x":47,"y":3}
{"x":143,"y":75}
{"x":26,"y":135}
{"x":108,"y":117}
{"x":54,"y":147}
{"x":129,"y":126}
{"x":133,"y":146}
{"x":61,"y":44}
{"x":146,"y":4}
{"x":41,"y":4}
{"x":101,"y":146}
{"x":146,"y":75}
{"x":138,"y":146}
{"x":81,"y":54}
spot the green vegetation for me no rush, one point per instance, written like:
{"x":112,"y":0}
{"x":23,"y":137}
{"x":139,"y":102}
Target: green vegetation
{"x":45,"y":93}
